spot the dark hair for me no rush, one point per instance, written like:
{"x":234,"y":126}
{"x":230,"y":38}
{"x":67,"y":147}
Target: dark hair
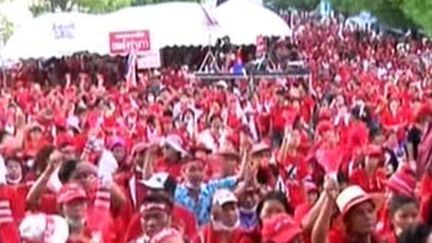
{"x":41,"y":158}
{"x":398,"y":201}
{"x":20,"y":161}
{"x":417,"y":233}
{"x":158,"y":198}
{"x":66,"y":170}
{"x":276,"y":196}
{"x":3,"y":135}
{"x":170,"y":185}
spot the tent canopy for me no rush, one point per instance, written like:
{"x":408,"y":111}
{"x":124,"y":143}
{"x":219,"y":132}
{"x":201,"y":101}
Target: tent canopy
{"x":243,"y":21}
{"x":166,"y":24}
{"x":52,"y":35}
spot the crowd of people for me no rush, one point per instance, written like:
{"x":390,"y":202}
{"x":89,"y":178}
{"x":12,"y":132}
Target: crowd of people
{"x":342,"y":157}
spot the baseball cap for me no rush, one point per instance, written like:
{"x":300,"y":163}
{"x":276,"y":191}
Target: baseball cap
{"x":70,"y":192}
{"x":280,"y":228}
{"x":160,"y":181}
{"x":223,"y":196}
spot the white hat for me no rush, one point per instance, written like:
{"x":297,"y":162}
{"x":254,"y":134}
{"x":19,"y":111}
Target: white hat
{"x":44,"y":228}
{"x":176,"y":143}
{"x":223,"y":196}
{"x":222,"y":84}
{"x":350,"y":197}
{"x":260,"y":147}
{"x":156,"y":181}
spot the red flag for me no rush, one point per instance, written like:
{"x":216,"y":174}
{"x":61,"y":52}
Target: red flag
{"x":329,"y":159}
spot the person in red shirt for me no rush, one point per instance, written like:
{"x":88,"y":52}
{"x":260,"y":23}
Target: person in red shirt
{"x":357,"y":211}
{"x":225,"y":222}
{"x":14,"y":166}
{"x":155,"y":216}
{"x":372,"y":176}
{"x":173,"y":152}
{"x":183,"y":220}
{"x":404,"y":212}
{"x":167,"y":236}
{"x":281,"y":112}
{"x":281,"y":228}
{"x":84,"y":224}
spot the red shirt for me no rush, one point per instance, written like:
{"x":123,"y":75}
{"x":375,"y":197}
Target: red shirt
{"x":390,"y":237}
{"x":374,"y":183}
{"x":8,"y":225}
{"x":390,"y":120}
{"x":280,"y":115}
{"x":183,"y":220}
{"x":337,"y":235}
{"x":174,"y":169}
{"x":208,"y":235}
{"x":300,"y":212}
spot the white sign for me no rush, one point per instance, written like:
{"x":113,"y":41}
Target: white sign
{"x":64,"y":31}
{"x":149,"y":59}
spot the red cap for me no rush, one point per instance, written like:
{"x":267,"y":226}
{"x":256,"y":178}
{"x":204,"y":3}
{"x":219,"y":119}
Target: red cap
{"x":403,"y":182}
{"x":70,"y":192}
{"x":323,"y":127}
{"x":280,"y":228}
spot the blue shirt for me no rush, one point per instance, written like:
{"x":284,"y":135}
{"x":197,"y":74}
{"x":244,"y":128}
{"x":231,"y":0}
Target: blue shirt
{"x":201,"y":207}
{"x":248,"y":220}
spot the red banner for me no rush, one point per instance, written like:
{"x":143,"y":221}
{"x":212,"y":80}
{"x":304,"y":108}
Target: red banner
{"x":122,"y":42}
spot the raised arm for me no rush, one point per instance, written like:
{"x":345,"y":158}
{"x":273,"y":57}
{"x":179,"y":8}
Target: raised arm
{"x":309,"y":220}
{"x":34,"y":195}
{"x":321,"y":227}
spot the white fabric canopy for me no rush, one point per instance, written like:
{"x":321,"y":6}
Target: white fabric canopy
{"x":16,"y":12}
{"x":244,"y":20}
{"x":53,"y":35}
{"x":168,"y":24}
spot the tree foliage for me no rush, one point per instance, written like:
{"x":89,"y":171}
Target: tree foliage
{"x":90,"y":6}
{"x":145,"y":2}
{"x":6,"y":29}
{"x":421,"y":13}
{"x":398,"y":13}
{"x":298,"y":4}
{"x":390,"y":12}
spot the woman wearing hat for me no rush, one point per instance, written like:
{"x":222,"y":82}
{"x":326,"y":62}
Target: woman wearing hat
{"x":357,"y":211}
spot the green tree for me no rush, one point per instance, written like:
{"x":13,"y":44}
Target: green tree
{"x":6,"y":29}
{"x":298,"y":4}
{"x":387,"y":11}
{"x":145,"y":2}
{"x":421,"y":13}
{"x":89,"y":6}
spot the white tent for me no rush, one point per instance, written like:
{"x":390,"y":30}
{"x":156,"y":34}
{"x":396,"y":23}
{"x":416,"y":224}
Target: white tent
{"x":169,"y":24}
{"x":53,"y":35}
{"x":244,"y":20}
{"x":17,"y":12}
